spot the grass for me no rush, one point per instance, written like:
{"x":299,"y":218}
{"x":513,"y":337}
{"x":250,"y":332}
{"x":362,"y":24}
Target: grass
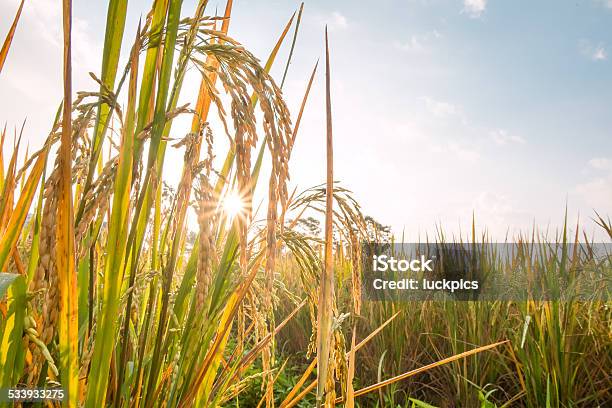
{"x":106,"y":291}
{"x":555,"y":353}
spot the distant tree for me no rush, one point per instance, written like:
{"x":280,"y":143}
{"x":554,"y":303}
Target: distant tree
{"x":377,"y":232}
{"x":378,"y":238}
{"x":310,"y":226}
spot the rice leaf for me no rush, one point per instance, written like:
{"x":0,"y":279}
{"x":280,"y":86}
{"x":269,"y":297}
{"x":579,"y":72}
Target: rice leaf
{"x":5,"y":281}
{"x":14,"y":226}
{"x":419,"y":370}
{"x":9,"y":37}
{"x":11,"y":348}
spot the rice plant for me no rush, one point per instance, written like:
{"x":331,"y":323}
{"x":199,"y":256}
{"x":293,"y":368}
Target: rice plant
{"x":108,"y":292}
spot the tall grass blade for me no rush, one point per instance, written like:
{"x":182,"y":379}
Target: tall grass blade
{"x":303,"y":105}
{"x":350,"y":391}
{"x":5,"y":281}
{"x":118,"y":228}
{"x":2,"y":135}
{"x":11,"y":330}
{"x":326,"y":291}
{"x":295,"y":34}
{"x":115,"y":25}
{"x":290,"y":401}
{"x":68,"y":314}
{"x":419,"y":370}
{"x":12,"y":230}
{"x":8,"y":189}
{"x":9,"y":37}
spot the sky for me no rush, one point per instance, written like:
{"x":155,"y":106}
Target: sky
{"x":441,"y":109}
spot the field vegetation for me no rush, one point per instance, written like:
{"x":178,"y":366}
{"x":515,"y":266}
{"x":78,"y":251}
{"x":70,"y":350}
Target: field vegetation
{"x":109,"y":292}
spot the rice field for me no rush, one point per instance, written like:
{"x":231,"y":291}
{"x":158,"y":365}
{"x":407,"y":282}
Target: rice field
{"x":109,"y":293}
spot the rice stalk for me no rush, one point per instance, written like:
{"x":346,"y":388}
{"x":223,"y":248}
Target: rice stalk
{"x":65,"y":248}
{"x":325,"y":381}
{"x":115,"y":25}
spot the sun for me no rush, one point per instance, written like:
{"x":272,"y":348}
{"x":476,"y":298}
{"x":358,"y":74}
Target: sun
{"x":233,"y":205}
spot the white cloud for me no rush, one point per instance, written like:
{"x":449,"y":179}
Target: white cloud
{"x":44,"y":17}
{"x":492,"y":203}
{"x":499,"y":213}
{"x":456,"y":150}
{"x":474,"y":8}
{"x":418,"y":43}
{"x":463,"y":152}
{"x":600,"y":53}
{"x":503,"y":137}
{"x":33,"y":71}
{"x":597,"y":193}
{"x":440,"y":108}
{"x":606,"y":3}
{"x":337,"y":21}
{"x":413,"y":45}
{"x":594,"y":52}
{"x":601,"y":163}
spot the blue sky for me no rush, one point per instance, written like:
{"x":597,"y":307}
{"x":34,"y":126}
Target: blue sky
{"x":441,"y":107}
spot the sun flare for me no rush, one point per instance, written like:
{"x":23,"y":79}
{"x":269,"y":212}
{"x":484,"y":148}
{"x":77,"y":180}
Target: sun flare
{"x":233,"y":205}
